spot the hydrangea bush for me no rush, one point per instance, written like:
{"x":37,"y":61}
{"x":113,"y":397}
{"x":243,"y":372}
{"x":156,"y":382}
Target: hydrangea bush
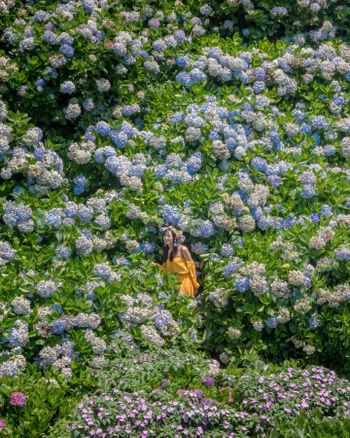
{"x":118,"y":120}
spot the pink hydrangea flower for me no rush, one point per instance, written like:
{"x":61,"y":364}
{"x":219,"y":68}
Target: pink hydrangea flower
{"x":18,"y":399}
{"x":2,"y":424}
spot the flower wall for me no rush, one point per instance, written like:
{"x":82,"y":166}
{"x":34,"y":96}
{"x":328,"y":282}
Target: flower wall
{"x":228,"y":120}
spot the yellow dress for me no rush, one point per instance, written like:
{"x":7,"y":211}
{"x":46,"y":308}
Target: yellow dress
{"x":186,"y":272}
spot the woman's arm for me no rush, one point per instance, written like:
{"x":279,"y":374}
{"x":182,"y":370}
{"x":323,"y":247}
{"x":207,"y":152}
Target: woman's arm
{"x":186,"y":253}
{"x":162,"y":266}
{"x":191,"y":266}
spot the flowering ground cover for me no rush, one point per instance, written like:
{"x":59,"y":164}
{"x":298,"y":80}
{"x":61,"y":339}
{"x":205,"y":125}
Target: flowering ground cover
{"x":188,"y":395}
{"x":228,"y":120}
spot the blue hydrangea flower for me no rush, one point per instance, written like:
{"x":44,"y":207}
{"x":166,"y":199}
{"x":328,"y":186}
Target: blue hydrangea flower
{"x":103,"y":128}
{"x":103,"y":271}
{"x":162,"y":319}
{"x":102,"y":154}
{"x":319,"y":122}
{"x":194,"y":163}
{"x":87,"y":233}
{"x":182,"y":61}
{"x":306,"y":128}
{"x":214,"y":135}
{"x":308,"y":191}
{"x":89,"y":6}
{"x":258,"y":87}
{"x":342,"y":254}
{"x":207,"y":229}
{"x":40,"y":83}
{"x":177,"y":117}
{"x":71,"y":209}
{"x":80,"y":184}
{"x":315,"y":217}
{"x":256,"y":212}
{"x":119,"y":138}
{"x":339,"y":100}
{"x":206,"y":10}
{"x":290,"y":222}
{"x":85,"y":213}
{"x":230,"y":268}
{"x":271,"y":322}
{"x":314,"y":323}
{"x":138,"y":249}
{"x":58,"y":327}
{"x":264,"y":223}
{"x":67,"y":50}
{"x":197,"y":75}
{"x":259,"y":73}
{"x":170,"y":214}
{"x":160,"y":170}
{"x":242,"y":284}
{"x":317,"y":139}
{"x":67,"y":87}
{"x":54,"y":217}
{"x":259,"y":163}
{"x":159,"y":46}
{"x":18,"y":334}
{"x":149,"y":247}
{"x":17,"y":190}
{"x":57,"y":307}
{"x":326,"y":210}
{"x":39,"y":153}
{"x":184,"y":79}
{"x":63,"y":252}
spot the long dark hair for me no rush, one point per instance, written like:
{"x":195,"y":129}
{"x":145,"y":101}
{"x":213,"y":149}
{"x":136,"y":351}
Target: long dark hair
{"x":166,"y":247}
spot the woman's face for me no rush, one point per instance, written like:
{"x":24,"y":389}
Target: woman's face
{"x":168,"y":238}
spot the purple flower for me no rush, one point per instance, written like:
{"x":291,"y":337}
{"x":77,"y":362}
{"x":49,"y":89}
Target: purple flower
{"x":315,"y":217}
{"x":87,"y":233}
{"x":230,"y":269}
{"x":58,"y":327}
{"x":274,"y":180}
{"x":18,"y":399}
{"x":342,"y":254}
{"x":208,"y":381}
{"x":259,"y":73}
{"x":258,"y":87}
{"x":40,"y":84}
{"x":206,"y":10}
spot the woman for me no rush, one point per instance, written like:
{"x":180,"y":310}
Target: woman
{"x":177,"y":258}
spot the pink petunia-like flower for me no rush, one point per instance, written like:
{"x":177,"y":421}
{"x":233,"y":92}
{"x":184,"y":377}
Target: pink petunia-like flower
{"x":2,"y":424}
{"x":18,"y":399}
